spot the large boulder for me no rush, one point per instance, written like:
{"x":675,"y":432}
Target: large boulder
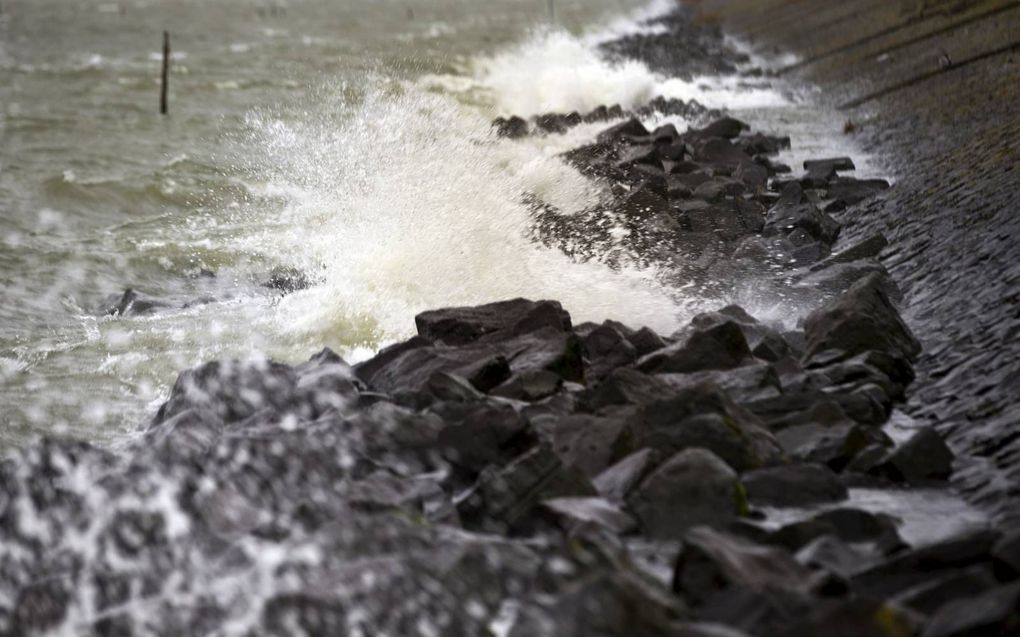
{"x":462,"y":325}
{"x":721,"y":346}
{"x":712,"y":561}
{"x":705,"y":416}
{"x":793,"y":485}
{"x":504,"y":498}
{"x":692,"y":488}
{"x":862,"y":319}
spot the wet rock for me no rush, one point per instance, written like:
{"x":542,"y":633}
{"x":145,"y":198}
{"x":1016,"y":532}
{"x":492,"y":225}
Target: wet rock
{"x":233,"y":390}
{"x":576,"y":513}
{"x":704,"y":416}
{"x":867,"y":248}
{"x":622,"y":131}
{"x":928,"y":597}
{"x":552,"y":123}
{"x":710,"y":629}
{"x":797,"y":535}
{"x":918,"y":566}
{"x":726,"y":127}
{"x":134,"y":303}
{"x":765,"y":342}
{"x":530,"y":386}
{"x":922,"y":458}
{"x":606,"y":349}
{"x":463,"y":325}
{"x":610,"y":601}
{"x":712,"y":562}
{"x":761,"y":144}
{"x":839,"y":277}
{"x":40,"y":606}
{"x":287,"y":280}
{"x":548,"y":349}
{"x":793,"y":486}
{"x":829,"y":553}
{"x":625,"y":385}
{"x":860,"y":320}
{"x":854,"y":617}
{"x":482,"y":434}
{"x":743,"y":384}
{"x":849,"y":192}
{"x":722,"y":153}
{"x":513,"y":127}
{"x":721,"y":346}
{"x":450,"y":387}
{"x":692,"y":488}
{"x":858,"y":525}
{"x":617,"y":482}
{"x":783,"y":219}
{"x":645,"y":341}
{"x":642,"y":203}
{"x":1006,"y":557}
{"x":591,"y":443}
{"x":411,"y":368}
{"x":504,"y":498}
{"x":994,"y":612}
{"x":188,"y":436}
{"x":834,"y":446}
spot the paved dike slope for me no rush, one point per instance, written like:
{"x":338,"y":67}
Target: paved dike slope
{"x":934,"y":87}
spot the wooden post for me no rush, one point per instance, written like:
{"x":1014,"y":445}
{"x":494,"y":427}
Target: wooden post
{"x":552,"y":10}
{"x":166,"y":73}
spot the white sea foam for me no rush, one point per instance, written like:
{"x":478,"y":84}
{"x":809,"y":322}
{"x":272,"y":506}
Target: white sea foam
{"x":406,"y":201}
{"x":412,"y":204}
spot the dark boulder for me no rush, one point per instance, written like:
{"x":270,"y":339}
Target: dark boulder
{"x":726,"y":127}
{"x":692,"y":488}
{"x":1006,"y":557}
{"x":513,"y":127}
{"x":783,"y":219}
{"x":711,"y":562}
{"x":482,"y":434}
{"x":577,"y":513}
{"x":411,"y":368}
{"x":287,"y":280}
{"x":721,"y":346}
{"x":617,"y":482}
{"x":862,"y":319}
{"x":867,"y":248}
{"x":607,"y":348}
{"x":832,"y":445}
{"x":591,"y":443}
{"x":995,"y":612}
{"x":504,"y":499}
{"x":793,"y":485}
{"x":927,"y":597}
{"x":628,"y":129}
{"x":463,"y":325}
{"x":704,"y":416}
{"x":233,"y":390}
{"x":922,"y":458}
{"x":917,"y":566}
{"x":529,"y":385}
{"x":134,"y":303}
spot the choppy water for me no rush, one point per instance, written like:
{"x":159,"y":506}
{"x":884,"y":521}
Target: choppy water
{"x":350,"y":140}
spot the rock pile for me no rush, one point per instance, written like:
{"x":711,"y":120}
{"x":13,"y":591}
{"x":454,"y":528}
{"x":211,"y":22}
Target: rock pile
{"x":506,"y":468}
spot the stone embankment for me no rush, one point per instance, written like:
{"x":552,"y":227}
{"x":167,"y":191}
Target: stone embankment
{"x":507,"y":471}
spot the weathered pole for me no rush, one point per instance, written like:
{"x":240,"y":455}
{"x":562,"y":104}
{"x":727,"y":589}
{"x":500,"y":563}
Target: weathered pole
{"x":552,"y":10}
{"x":166,"y":73}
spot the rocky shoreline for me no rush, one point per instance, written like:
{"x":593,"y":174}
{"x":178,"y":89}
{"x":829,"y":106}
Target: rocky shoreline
{"x":507,"y":472}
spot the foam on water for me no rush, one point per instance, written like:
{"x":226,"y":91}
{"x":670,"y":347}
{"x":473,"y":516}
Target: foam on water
{"x":412,"y":204}
{"x":403,"y":200}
